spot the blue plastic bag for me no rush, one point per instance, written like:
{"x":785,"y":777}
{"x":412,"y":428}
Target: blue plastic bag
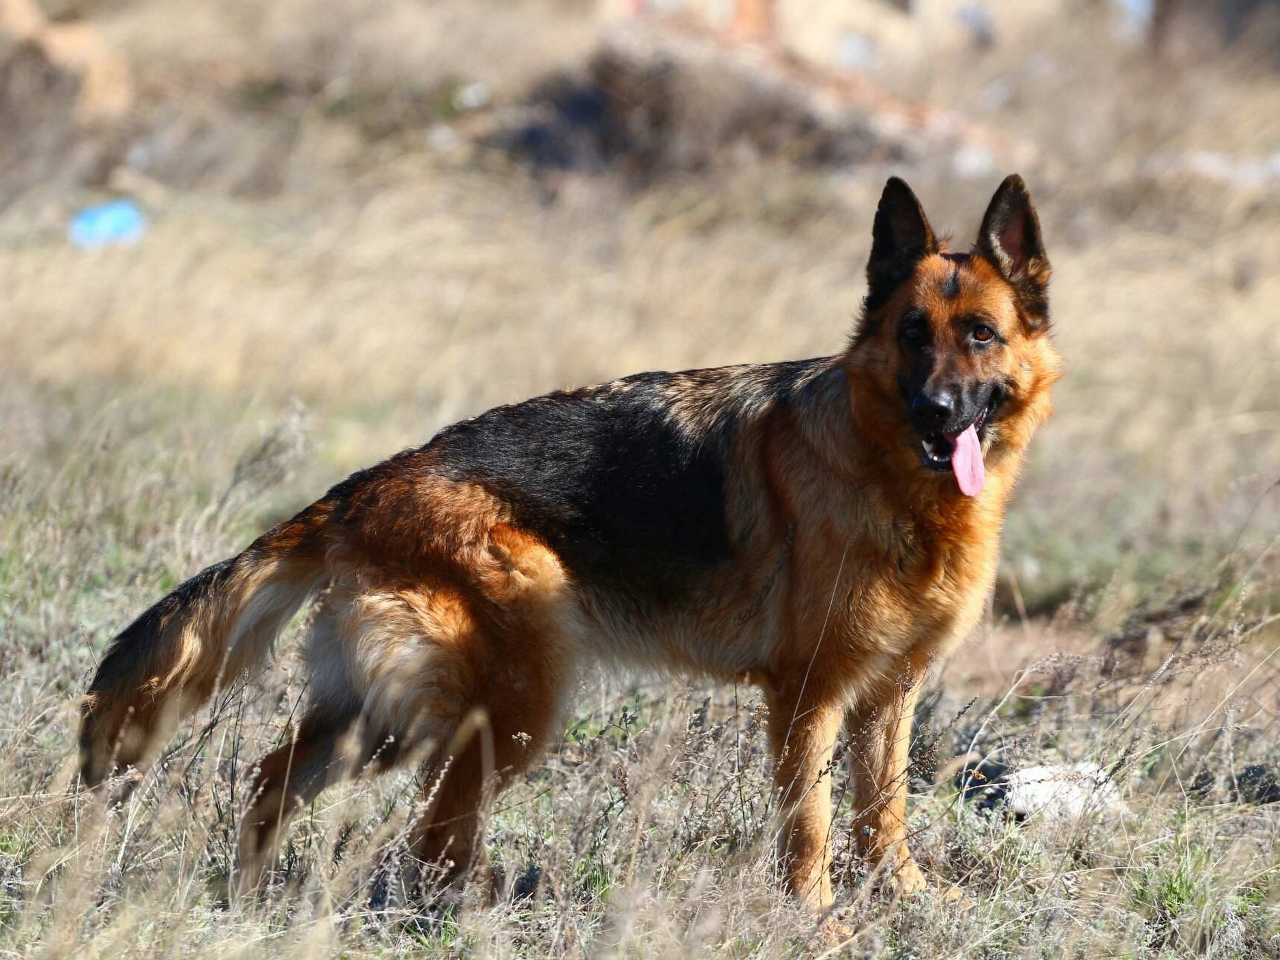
{"x":119,"y":221}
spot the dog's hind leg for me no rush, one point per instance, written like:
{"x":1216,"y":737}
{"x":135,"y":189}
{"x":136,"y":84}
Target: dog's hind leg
{"x":466,"y":662}
{"x":326,"y":749}
{"x":505,"y":656}
{"x":331,"y":743}
{"x":494,"y":744}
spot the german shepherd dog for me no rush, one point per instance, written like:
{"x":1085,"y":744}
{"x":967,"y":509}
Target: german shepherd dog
{"x":827,"y":528}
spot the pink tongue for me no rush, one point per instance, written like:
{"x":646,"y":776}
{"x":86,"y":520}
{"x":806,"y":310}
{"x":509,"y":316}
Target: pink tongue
{"x":966,"y":462}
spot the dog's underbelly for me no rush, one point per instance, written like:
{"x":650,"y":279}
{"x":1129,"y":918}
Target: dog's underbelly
{"x":714,"y":640}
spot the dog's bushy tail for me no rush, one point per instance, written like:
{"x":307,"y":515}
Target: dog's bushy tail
{"x":200,"y":637}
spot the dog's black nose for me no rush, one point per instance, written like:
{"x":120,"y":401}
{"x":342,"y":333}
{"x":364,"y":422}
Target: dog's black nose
{"x":930,"y":412}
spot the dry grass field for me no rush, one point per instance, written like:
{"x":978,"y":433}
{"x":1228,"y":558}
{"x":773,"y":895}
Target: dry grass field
{"x":338,"y":265}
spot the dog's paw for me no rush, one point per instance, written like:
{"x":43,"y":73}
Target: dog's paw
{"x":911,"y":882}
{"x":953,"y":896}
{"x":907,"y":879}
{"x":835,"y":934}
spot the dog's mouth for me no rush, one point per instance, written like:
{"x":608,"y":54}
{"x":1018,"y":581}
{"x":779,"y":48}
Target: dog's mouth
{"x":939,"y":448}
{"x":960,"y":451}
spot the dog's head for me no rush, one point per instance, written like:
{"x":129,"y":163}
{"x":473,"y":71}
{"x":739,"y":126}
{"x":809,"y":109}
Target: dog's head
{"x":951,"y":366}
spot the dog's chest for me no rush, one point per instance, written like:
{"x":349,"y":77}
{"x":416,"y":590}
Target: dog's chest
{"x":921,"y":599}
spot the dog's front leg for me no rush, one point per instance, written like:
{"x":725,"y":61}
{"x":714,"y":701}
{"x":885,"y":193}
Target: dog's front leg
{"x":802,"y":732}
{"x":880,"y":738}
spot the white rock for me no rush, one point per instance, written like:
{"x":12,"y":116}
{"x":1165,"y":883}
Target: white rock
{"x":1063,"y":791}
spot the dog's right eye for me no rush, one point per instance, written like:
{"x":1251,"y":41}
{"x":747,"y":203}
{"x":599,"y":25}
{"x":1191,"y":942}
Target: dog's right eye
{"x":912,"y":333}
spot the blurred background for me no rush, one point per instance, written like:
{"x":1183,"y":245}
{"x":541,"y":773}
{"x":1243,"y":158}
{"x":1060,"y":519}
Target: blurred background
{"x":249,"y":247}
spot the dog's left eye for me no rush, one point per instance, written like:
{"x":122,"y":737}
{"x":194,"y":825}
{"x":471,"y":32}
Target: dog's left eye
{"x":983,"y":333}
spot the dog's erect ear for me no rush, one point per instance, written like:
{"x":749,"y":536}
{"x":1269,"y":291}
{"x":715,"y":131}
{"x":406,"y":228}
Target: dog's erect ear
{"x":900,"y":238}
{"x":1009,"y":240}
